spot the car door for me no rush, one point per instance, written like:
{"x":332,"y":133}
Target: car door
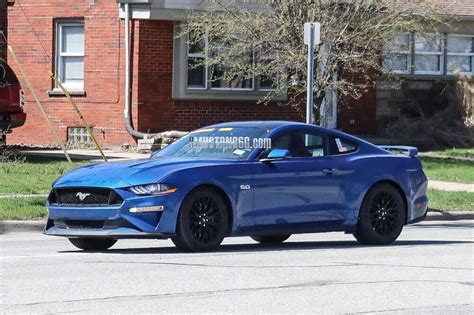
{"x":301,"y":189}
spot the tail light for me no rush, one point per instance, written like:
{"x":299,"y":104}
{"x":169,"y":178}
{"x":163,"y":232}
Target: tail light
{"x":22,"y":98}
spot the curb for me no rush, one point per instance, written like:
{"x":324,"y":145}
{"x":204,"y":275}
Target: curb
{"x":22,"y":226}
{"x":38,"y":225}
{"x":437,"y":215}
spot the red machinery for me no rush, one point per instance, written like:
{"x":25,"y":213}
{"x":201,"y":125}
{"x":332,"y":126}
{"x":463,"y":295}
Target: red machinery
{"x":12,"y":100}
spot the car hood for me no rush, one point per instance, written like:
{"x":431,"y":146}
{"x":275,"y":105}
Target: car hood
{"x":128,"y":173}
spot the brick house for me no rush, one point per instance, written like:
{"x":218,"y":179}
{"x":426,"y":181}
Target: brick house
{"x":4,"y":24}
{"x":83,"y":40}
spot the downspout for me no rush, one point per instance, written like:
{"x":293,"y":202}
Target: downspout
{"x":127,"y":116}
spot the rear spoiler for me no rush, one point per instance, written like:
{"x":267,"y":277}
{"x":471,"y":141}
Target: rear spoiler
{"x":412,"y":151}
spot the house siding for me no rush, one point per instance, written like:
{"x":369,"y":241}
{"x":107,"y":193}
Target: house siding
{"x":32,"y":38}
{"x":153,"y":107}
{"x":427,"y":92}
{"x":158,"y":111}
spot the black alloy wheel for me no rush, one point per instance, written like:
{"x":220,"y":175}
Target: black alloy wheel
{"x":384,"y":213}
{"x":381,"y":217}
{"x":202,"y":221}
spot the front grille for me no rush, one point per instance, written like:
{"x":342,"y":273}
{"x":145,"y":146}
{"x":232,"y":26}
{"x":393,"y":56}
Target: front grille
{"x":92,"y":224}
{"x":80,"y":224}
{"x":84,"y":197}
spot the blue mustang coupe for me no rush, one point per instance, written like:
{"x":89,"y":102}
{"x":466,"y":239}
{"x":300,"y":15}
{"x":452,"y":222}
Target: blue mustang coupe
{"x":265,"y":179}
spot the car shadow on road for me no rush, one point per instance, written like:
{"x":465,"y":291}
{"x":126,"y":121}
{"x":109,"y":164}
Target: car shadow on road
{"x":286,"y":246}
{"x":446,"y":225}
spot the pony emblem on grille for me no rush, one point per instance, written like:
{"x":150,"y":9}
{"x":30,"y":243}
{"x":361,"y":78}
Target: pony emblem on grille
{"x":82,"y":196}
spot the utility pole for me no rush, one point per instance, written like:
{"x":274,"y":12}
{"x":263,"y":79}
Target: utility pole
{"x":311,"y":38}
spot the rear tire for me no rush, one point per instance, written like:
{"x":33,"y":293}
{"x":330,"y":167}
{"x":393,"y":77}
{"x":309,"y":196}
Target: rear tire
{"x":381,"y":217}
{"x":202,"y":221}
{"x":271,"y":239}
{"x":92,"y":244}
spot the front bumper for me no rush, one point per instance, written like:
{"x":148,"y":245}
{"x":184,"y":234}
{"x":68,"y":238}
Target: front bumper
{"x":119,"y":233}
{"x":116,"y":221}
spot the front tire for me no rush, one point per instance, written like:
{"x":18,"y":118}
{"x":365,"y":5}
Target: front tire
{"x":381,"y":217}
{"x":92,"y":244}
{"x":202,"y":221}
{"x":271,"y":239}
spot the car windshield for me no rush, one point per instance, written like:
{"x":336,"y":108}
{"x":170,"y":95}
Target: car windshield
{"x":218,"y":143}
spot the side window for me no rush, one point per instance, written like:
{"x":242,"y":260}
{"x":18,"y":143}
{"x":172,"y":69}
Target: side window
{"x":301,"y":144}
{"x":338,"y":145}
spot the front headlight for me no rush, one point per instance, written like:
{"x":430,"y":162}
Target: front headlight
{"x":153,"y":189}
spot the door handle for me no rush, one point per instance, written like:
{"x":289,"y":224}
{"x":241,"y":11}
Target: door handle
{"x":330,"y":171}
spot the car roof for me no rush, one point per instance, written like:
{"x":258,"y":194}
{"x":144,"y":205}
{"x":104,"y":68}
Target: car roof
{"x":281,"y":125}
{"x":269,"y":124}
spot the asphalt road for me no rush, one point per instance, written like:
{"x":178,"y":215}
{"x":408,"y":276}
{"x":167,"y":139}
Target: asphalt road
{"x":429,"y":270}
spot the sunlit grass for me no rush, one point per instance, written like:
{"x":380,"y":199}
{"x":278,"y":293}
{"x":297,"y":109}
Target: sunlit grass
{"x":23,"y":208}
{"x":450,"y":200}
{"x":447,"y":169}
{"x":33,"y":176}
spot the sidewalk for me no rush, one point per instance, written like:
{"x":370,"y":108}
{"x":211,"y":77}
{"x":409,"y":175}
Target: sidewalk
{"x":450,"y":186}
{"x":439,"y":156}
{"x":9,"y":196}
{"x":90,"y":155}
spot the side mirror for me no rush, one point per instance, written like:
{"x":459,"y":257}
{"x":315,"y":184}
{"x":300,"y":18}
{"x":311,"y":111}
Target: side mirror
{"x":276,"y":154}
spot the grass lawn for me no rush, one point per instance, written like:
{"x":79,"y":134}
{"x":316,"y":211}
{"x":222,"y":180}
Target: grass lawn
{"x":34,"y":176}
{"x":448,"y":169}
{"x":449,"y":200}
{"x":23,"y":208}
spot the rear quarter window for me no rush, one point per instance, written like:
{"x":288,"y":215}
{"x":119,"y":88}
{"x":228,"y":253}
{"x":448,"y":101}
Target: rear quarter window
{"x":339,"y":145}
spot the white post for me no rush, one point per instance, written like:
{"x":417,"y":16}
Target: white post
{"x":310,"y":80}
{"x":127,"y":61}
{"x":311,"y":38}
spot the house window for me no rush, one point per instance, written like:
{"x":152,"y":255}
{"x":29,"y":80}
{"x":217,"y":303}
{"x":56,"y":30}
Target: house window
{"x":220,"y":79}
{"x":266,"y":83}
{"x":213,"y":77}
{"x":432,"y":54}
{"x":460,"y":50}
{"x":397,"y":53}
{"x":197,"y":72}
{"x":196,"y":78}
{"x":429,"y":55}
{"x":70,"y":54}
{"x":78,"y":135}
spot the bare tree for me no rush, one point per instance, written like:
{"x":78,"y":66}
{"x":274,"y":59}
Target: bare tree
{"x":245,"y":39}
